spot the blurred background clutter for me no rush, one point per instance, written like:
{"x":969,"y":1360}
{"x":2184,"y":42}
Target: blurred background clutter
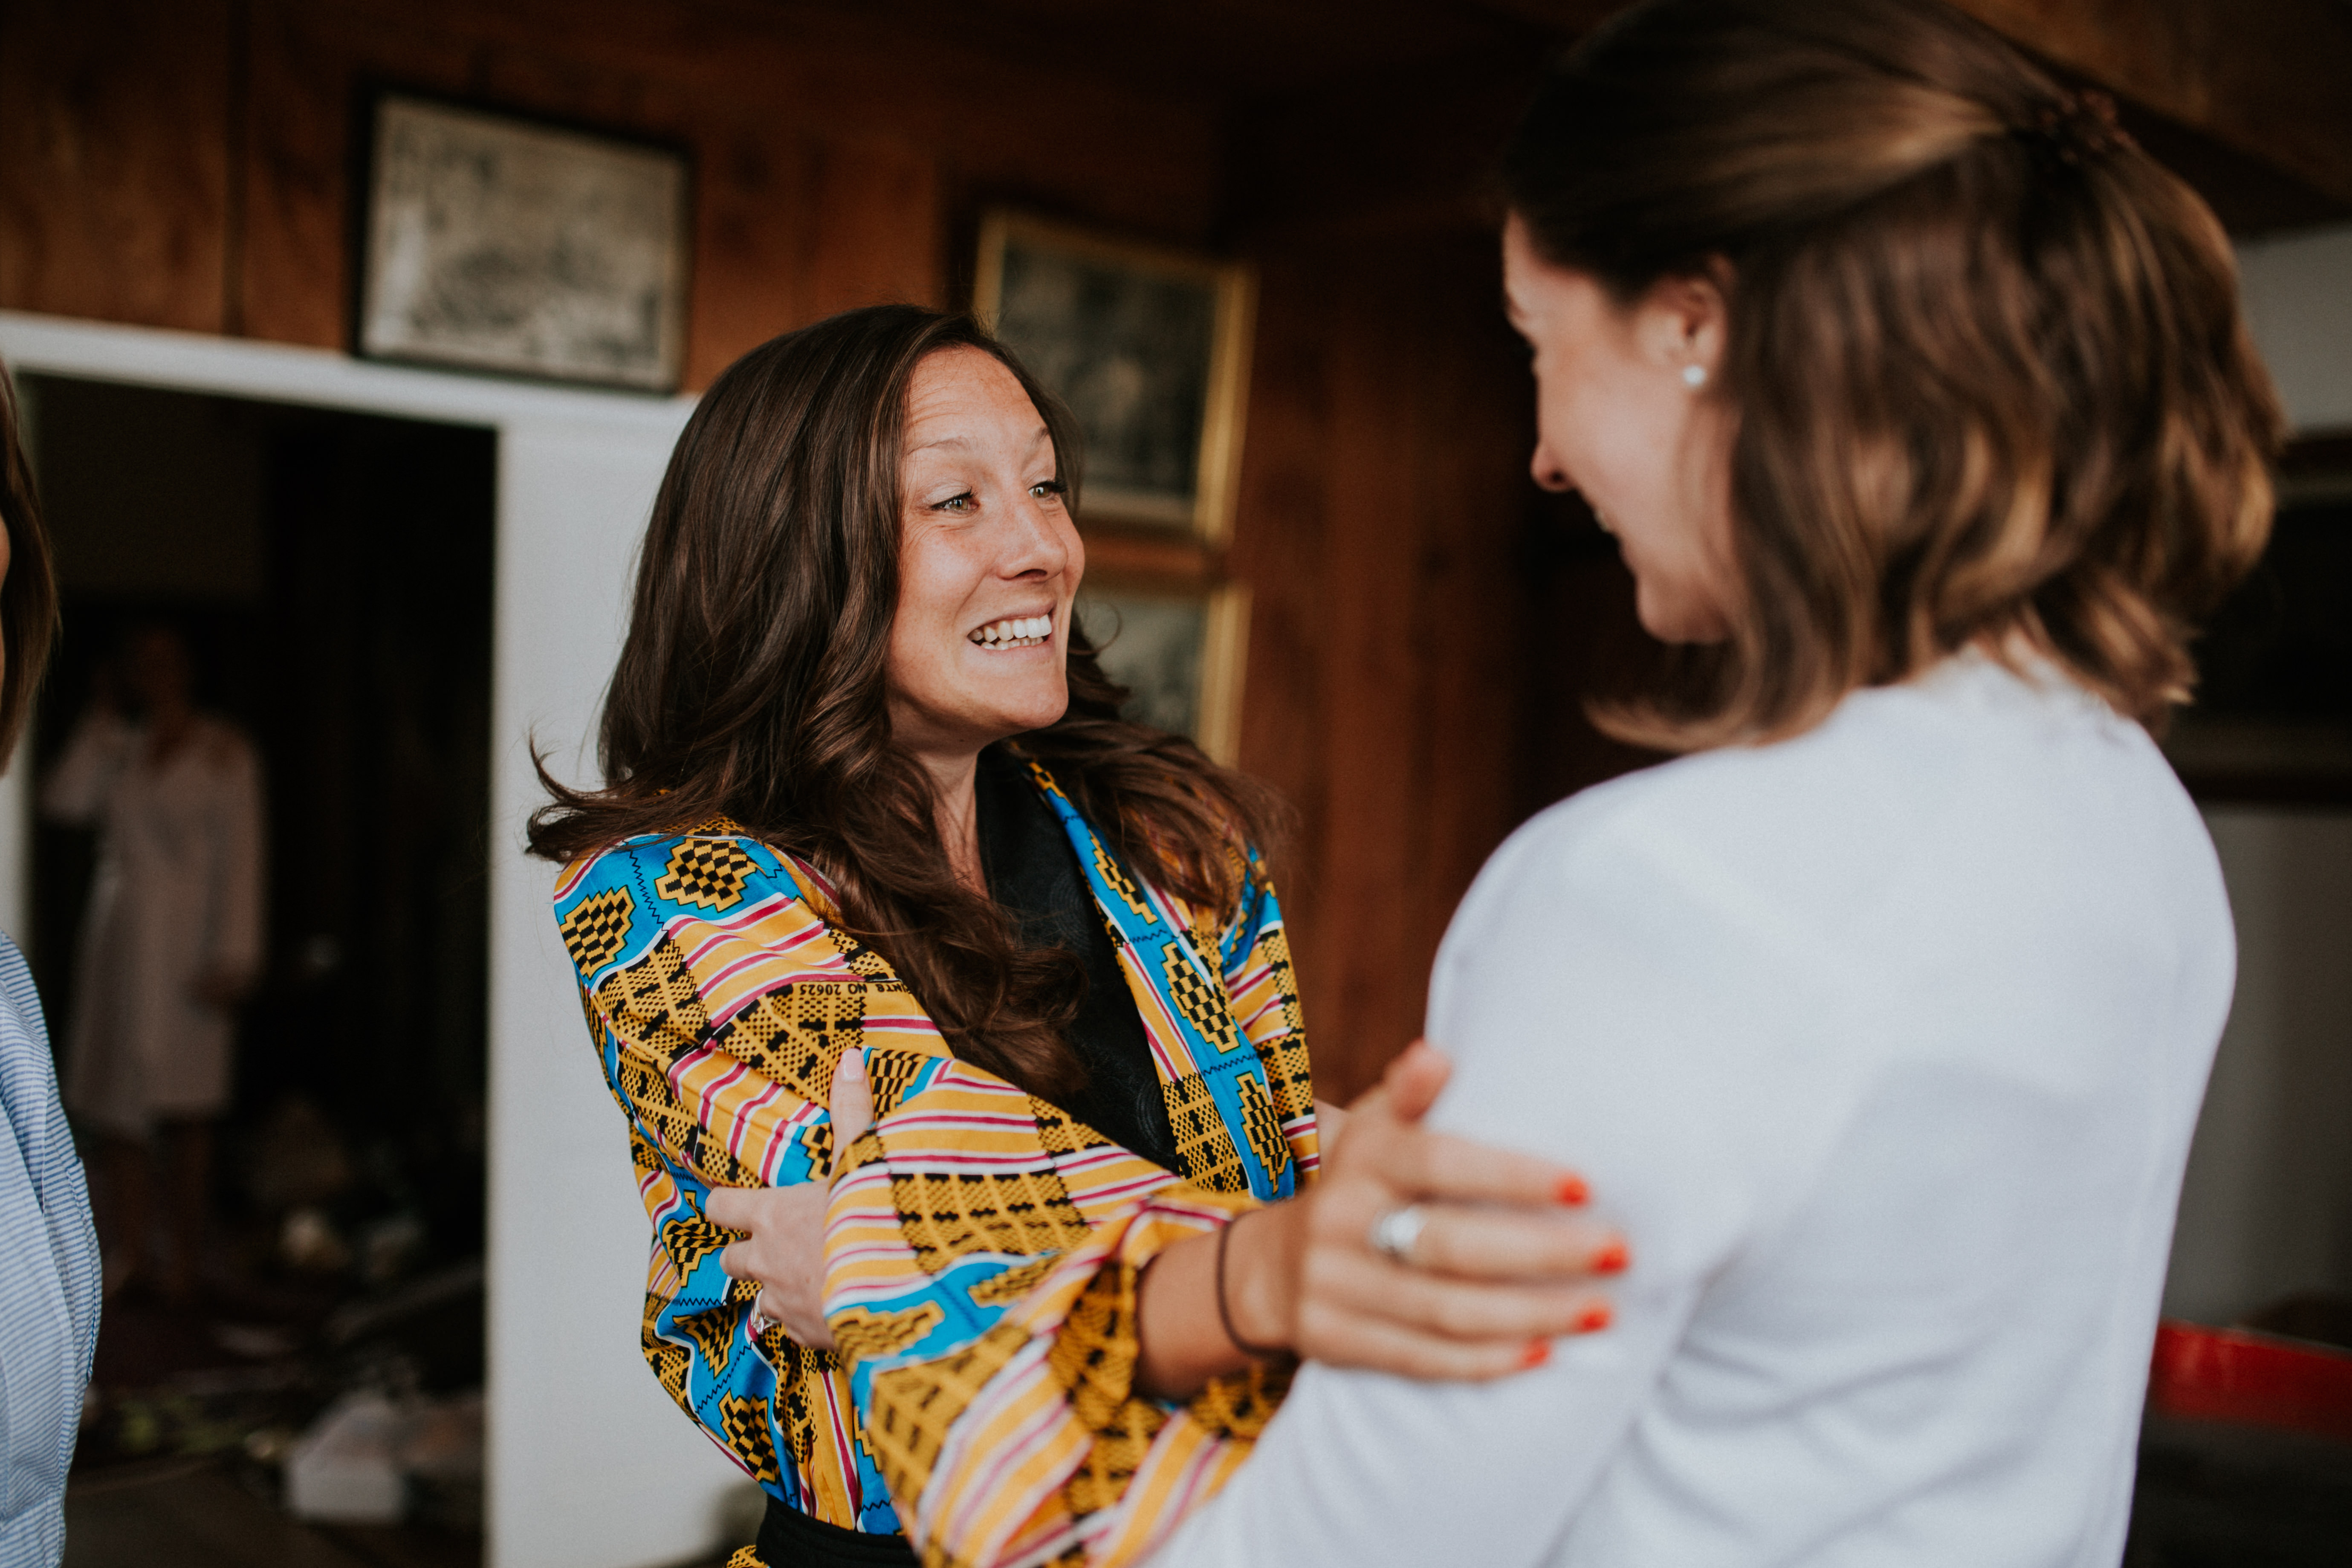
{"x":352,"y":336}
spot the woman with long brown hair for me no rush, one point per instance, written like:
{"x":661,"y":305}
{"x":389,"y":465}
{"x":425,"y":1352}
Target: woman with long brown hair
{"x":883,"y":908}
{"x":1919,"y":400}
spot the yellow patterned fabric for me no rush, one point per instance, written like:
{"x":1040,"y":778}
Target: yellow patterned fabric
{"x":984,"y":1246}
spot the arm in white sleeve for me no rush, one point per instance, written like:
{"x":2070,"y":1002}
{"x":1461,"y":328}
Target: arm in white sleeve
{"x":1582,"y":991}
{"x":240,"y":866}
{"x":83,"y":776}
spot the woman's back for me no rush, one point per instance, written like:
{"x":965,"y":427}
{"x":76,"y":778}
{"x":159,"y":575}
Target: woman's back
{"x":1885,"y":1043}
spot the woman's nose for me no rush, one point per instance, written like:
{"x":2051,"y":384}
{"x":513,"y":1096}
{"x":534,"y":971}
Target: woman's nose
{"x":1548,"y":471}
{"x":1038,"y":544}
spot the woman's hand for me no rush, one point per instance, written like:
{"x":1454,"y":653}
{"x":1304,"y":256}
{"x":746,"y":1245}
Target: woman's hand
{"x":784,"y":1227}
{"x":1503,"y":1261}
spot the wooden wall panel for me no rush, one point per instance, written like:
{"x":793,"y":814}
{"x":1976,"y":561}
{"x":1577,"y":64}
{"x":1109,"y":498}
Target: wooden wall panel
{"x":192,"y":164}
{"x":753,"y":196}
{"x":1384,"y":494}
{"x":880,"y":234}
{"x":839,"y":162}
{"x":2265,"y":77}
{"x":1359,"y":948}
{"x":1279,"y":549}
{"x":1476,"y":422}
{"x":114,"y":119}
{"x":294,"y":281}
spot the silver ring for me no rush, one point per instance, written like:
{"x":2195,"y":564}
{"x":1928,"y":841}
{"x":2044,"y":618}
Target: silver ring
{"x":1395,"y":1232}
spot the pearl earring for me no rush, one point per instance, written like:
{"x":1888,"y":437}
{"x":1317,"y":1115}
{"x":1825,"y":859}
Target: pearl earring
{"x":1694,"y":376}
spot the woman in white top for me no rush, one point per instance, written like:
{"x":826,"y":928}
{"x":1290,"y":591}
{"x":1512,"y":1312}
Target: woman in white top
{"x":1918,"y":398}
{"x":172,"y":940}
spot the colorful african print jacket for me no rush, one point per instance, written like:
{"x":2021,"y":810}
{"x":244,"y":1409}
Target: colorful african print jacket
{"x":983,"y":1247}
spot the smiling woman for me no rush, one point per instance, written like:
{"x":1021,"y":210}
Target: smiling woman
{"x":989,"y":564}
{"x":953,"y":1016}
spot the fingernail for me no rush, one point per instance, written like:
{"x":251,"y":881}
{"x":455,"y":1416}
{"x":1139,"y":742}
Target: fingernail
{"x":1537,"y":1352}
{"x":854,"y":1061}
{"x":1594,"y":1319}
{"x":1611,"y":1258}
{"x":1572,"y":1190}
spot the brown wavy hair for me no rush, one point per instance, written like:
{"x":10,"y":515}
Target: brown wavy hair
{"x":29,"y":597}
{"x":1985,"y":355}
{"x":752,"y":686}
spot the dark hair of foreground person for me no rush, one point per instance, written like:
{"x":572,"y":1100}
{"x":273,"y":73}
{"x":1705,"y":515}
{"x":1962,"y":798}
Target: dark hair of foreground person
{"x":29,"y":595}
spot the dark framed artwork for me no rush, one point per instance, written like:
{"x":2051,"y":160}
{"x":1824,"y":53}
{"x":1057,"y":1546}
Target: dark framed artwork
{"x":1180,"y":651}
{"x":1150,"y":349}
{"x":494,"y":242}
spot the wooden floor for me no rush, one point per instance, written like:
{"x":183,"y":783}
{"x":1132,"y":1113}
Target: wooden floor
{"x":199,"y":1514}
{"x":2209,"y":1496}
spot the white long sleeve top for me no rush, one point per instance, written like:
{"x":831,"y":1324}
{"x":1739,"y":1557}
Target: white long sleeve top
{"x":1884,"y":1044}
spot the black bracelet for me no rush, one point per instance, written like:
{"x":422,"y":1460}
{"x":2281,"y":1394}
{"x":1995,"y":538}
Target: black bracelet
{"x":1224,"y":1313}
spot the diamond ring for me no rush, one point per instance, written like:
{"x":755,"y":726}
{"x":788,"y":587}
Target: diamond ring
{"x":1395,"y":1232}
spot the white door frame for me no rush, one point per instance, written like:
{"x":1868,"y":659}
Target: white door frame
{"x":590,"y":1465}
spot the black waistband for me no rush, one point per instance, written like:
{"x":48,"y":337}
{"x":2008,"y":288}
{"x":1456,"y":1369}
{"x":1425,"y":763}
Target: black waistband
{"x":791,"y":1539}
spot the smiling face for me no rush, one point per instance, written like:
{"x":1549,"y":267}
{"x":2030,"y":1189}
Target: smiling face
{"x":1619,"y":419}
{"x":989,"y":562}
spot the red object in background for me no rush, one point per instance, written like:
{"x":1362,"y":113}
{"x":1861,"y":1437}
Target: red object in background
{"x":2260,"y":1379}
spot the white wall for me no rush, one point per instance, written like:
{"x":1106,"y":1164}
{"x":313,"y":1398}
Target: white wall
{"x":2298,"y":297}
{"x":2267,"y":1207}
{"x":591,"y":1466}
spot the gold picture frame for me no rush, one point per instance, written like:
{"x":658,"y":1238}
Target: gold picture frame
{"x":1182,"y":650}
{"x":1150,"y":349}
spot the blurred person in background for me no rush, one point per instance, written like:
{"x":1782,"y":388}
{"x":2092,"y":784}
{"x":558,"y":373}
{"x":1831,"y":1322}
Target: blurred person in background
{"x":172,"y":941}
{"x":48,"y":1251}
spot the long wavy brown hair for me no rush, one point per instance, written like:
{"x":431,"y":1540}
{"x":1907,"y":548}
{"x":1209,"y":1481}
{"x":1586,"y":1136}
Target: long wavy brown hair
{"x":1991,"y":383}
{"x":28,"y":598}
{"x":752,"y":686}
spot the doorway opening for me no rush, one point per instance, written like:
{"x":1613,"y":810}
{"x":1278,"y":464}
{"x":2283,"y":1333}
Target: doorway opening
{"x":329,"y":575}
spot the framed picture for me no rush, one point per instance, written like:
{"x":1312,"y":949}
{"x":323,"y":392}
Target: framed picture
{"x":1150,"y":349}
{"x":494,"y":243}
{"x":1180,"y":653}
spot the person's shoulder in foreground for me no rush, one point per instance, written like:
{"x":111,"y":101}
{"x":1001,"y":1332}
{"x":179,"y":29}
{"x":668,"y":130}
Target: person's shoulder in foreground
{"x":1874,"y":1041}
{"x":48,"y":1286}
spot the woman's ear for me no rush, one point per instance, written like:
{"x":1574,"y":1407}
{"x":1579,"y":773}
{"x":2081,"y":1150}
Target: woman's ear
{"x":1684,"y":320}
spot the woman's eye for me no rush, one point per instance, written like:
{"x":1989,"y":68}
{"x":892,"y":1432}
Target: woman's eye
{"x":963,"y":502}
{"x":1045,"y":488}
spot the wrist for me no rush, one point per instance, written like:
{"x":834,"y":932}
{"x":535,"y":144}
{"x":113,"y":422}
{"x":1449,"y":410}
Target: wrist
{"x":1260,"y":1283}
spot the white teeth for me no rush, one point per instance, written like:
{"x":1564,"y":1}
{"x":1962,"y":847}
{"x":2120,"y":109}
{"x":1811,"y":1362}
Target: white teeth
{"x":1014,"y":631}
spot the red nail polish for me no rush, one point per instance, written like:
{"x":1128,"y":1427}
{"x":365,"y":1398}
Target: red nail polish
{"x":1537,"y":1352}
{"x":1595,"y":1318}
{"x":1572,"y":1190}
{"x":1611,"y":1258}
